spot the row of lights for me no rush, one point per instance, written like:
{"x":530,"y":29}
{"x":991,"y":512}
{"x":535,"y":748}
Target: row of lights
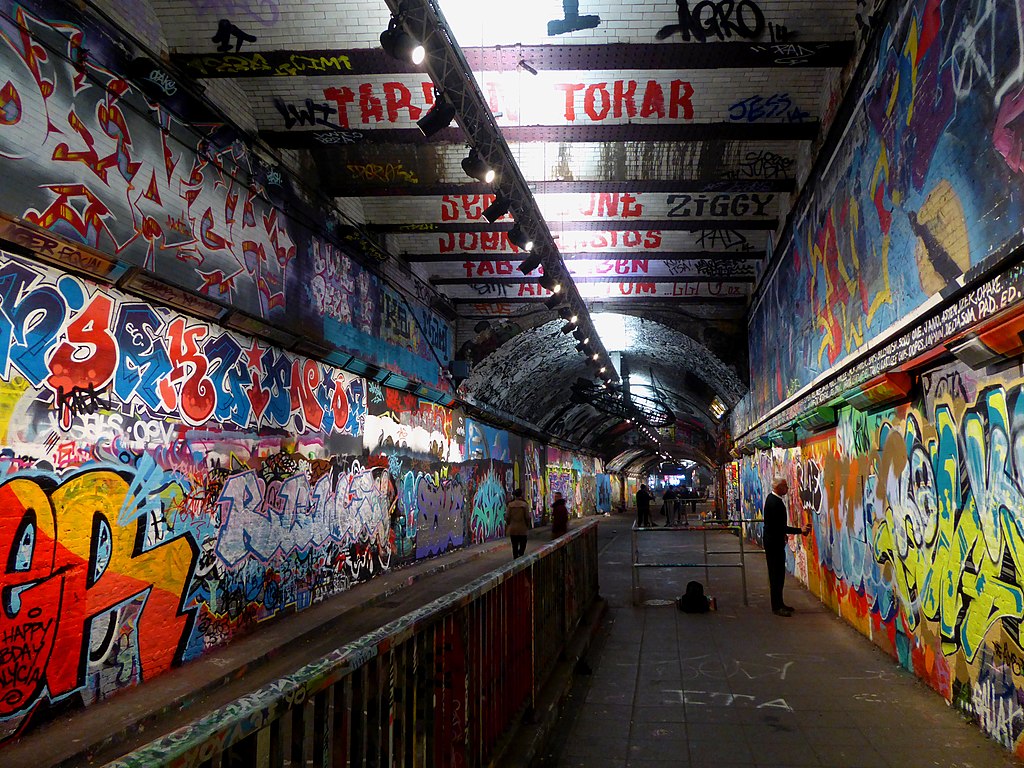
{"x":399,"y":44}
{"x":583,"y":344}
{"x":649,"y":433}
{"x":477,"y":168}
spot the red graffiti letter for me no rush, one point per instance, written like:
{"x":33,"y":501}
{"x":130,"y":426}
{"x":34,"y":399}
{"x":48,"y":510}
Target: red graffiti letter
{"x":398,"y":97}
{"x":342,"y":97}
{"x":590,"y":101}
{"x":198,"y":395}
{"x":570,"y":98}
{"x":305,"y":380}
{"x":624,"y":97}
{"x":369,"y":105}
{"x":86,"y":361}
{"x":681,"y":93}
{"x":654,"y":100}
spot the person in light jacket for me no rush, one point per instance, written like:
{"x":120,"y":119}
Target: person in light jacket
{"x":517,"y":522}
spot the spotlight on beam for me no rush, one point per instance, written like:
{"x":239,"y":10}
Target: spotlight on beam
{"x":549,"y":282}
{"x":527,"y":66}
{"x":477,"y":168}
{"x":530,"y":263}
{"x":438,"y":118}
{"x":497,"y":209}
{"x":554,"y":300}
{"x":399,"y":44}
{"x":520,"y":240}
{"x":567,"y":314}
{"x":581,"y":336}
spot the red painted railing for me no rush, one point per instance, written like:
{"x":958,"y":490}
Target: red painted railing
{"x":441,"y":686}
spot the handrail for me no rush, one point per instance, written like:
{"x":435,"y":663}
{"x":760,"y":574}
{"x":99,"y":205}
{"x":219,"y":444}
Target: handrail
{"x":416,"y":691}
{"x":734,"y":524}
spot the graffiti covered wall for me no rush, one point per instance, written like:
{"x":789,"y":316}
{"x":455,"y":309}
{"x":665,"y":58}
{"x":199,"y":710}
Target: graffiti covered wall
{"x":922,"y":188}
{"x":604,"y":493}
{"x":575,"y":476}
{"x":167,"y":485}
{"x":534,"y":465}
{"x":167,"y":186}
{"x":732,"y":490}
{"x":918,"y":534}
{"x":624,"y":488}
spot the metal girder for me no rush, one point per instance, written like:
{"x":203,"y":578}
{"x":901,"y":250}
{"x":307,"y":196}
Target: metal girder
{"x":453,"y":79}
{"x":609,"y":401}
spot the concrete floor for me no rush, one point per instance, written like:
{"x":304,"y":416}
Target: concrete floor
{"x":741,"y":686}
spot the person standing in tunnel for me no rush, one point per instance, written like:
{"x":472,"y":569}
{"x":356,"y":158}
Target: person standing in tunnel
{"x":643,"y":507}
{"x":668,"y":506}
{"x":559,"y":516}
{"x":517,"y":522}
{"x":776,"y":534}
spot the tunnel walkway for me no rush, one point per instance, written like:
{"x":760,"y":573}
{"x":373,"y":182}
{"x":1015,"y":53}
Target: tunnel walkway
{"x":741,"y":686}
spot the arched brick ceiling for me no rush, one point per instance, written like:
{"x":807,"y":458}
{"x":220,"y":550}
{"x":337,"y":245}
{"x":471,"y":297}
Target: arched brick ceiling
{"x":670,"y":353}
{"x":662,"y":148}
{"x":531,"y":374}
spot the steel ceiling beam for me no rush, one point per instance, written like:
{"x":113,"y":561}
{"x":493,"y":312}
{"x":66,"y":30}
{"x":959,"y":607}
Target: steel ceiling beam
{"x":584,"y":186}
{"x":631,"y":56}
{"x":724,"y":257}
{"x":636,"y":132}
{"x":584,"y":225}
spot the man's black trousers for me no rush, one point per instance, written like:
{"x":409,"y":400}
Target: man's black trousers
{"x":776,"y":575}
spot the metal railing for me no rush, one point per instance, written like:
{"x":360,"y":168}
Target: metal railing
{"x":437,"y":687}
{"x":725,"y":525}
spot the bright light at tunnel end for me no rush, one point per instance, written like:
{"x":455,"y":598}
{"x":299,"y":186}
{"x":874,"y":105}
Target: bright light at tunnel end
{"x":611,"y":328}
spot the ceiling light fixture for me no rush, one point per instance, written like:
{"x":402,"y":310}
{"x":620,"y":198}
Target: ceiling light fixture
{"x":521,"y":240}
{"x":549,"y":281}
{"x":530,"y":263}
{"x":717,"y":407}
{"x":439,"y":117}
{"x":497,"y":209}
{"x":524,"y":64}
{"x":399,"y":44}
{"x":477,"y":168}
{"x":553,"y":300}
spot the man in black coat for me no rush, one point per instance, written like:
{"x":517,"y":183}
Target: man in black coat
{"x":776,"y":534}
{"x":643,"y":507}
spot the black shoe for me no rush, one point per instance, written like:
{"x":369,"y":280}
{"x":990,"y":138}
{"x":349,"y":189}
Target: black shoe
{"x":783,"y":611}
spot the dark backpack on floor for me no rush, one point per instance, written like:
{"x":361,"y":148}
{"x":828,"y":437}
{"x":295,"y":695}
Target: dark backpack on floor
{"x":693,"y":600}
